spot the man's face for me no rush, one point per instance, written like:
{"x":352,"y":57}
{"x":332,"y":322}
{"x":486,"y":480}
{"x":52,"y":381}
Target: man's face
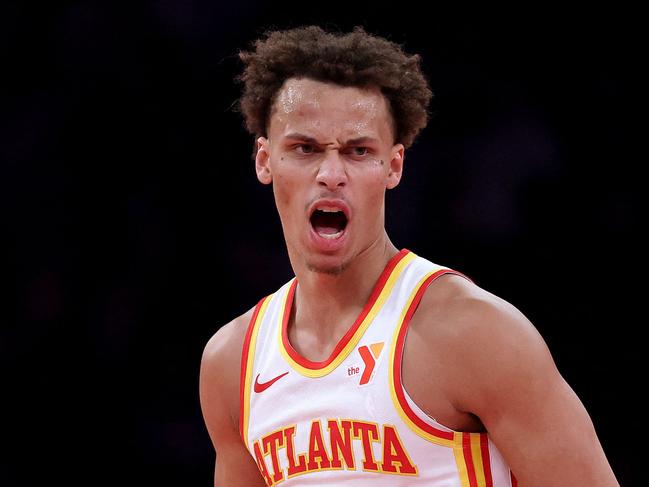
{"x":330,"y":157}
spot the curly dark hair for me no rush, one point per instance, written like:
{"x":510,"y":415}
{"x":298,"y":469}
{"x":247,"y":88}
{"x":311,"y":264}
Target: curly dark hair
{"x":348,"y":59}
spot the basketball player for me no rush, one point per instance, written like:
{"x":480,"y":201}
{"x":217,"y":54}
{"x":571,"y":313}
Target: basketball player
{"x":373,"y":365}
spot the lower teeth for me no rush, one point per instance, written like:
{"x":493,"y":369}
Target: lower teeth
{"x":331,"y":235}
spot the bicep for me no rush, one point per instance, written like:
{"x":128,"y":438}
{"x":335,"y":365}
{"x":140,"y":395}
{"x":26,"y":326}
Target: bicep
{"x":547,"y":437}
{"x":235,"y":466}
{"x":219,"y":402}
{"x":532,"y":415}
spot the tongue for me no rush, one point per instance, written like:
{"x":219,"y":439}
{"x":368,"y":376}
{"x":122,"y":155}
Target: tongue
{"x":328,"y":223}
{"x":326,"y":230}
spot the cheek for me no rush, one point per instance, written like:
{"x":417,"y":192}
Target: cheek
{"x":374,"y":175}
{"x":372,"y":193}
{"x":286,"y":196}
{"x":282,"y":195}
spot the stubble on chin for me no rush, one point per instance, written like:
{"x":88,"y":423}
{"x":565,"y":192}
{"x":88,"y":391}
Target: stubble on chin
{"x":329,"y":270}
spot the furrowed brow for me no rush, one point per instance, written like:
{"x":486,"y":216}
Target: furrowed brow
{"x":360,"y":141}
{"x":311,"y":140}
{"x":302,"y":137}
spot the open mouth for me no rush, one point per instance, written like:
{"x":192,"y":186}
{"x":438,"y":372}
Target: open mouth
{"x":329,"y":222}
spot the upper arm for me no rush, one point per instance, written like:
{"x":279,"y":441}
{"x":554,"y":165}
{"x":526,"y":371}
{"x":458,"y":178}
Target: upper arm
{"x":509,"y":380}
{"x":219,"y":396}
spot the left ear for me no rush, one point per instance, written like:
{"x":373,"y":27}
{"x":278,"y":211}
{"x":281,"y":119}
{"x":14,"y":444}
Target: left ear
{"x":396,"y":165}
{"x":262,"y":161}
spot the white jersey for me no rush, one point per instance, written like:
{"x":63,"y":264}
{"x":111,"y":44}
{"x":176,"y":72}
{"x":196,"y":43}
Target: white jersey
{"x":349,"y":418}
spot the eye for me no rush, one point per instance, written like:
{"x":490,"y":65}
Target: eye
{"x":305,"y":148}
{"x":359,"y":151}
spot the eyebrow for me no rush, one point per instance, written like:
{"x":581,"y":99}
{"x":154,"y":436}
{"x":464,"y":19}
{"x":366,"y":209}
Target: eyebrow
{"x":311,"y":140}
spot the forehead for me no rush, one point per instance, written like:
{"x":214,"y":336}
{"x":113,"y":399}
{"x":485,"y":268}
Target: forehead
{"x":328,"y":110}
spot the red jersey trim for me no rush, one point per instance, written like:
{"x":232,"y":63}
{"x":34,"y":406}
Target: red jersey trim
{"x":468,"y":459}
{"x":342,"y":343}
{"x":396,"y":366}
{"x":486,"y":459}
{"x":244,"y":392}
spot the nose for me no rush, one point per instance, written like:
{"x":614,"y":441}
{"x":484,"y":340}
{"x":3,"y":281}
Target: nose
{"x":332,"y":172}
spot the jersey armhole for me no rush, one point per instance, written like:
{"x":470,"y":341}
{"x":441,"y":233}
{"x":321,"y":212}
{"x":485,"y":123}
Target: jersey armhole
{"x":414,"y":417}
{"x":247,"y":358}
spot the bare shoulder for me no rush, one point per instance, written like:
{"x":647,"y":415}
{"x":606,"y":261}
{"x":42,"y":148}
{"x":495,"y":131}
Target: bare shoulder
{"x":489,"y":344}
{"x":494,"y":365}
{"x":461,"y":309}
{"x":219,"y":375}
{"x":226,"y":344}
{"x":219,"y":395}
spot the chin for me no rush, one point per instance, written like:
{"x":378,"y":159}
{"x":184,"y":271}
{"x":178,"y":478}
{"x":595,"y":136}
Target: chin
{"x":329,"y":270}
{"x":332,"y":266}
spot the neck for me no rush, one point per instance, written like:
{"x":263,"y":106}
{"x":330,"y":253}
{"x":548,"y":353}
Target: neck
{"x":329,"y":303}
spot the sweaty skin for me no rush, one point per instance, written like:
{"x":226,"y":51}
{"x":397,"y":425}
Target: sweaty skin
{"x":471,"y":360}
{"x":322,"y":119}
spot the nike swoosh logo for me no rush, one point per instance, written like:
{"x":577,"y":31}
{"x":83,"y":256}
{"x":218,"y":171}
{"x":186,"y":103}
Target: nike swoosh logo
{"x":262,"y":386}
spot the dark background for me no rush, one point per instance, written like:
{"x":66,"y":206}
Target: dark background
{"x":133,"y":226}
